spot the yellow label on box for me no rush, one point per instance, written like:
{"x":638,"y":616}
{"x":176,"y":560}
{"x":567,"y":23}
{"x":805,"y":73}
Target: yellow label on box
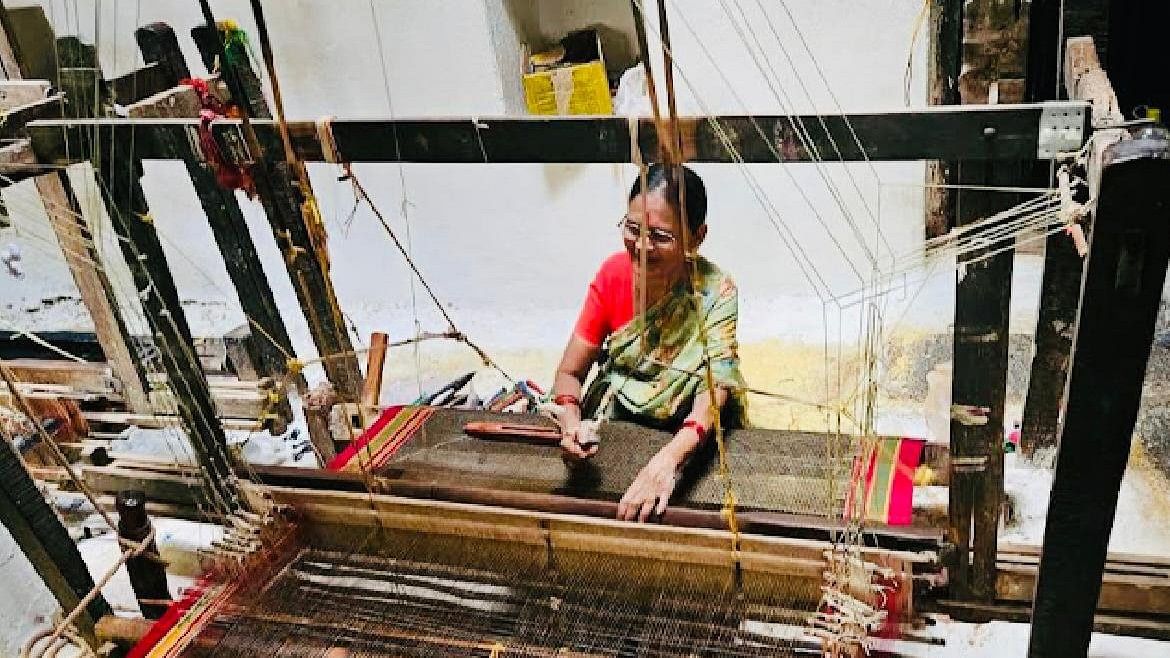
{"x":577,"y":89}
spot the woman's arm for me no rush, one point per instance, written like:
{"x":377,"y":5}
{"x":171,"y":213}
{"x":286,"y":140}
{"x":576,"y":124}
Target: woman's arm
{"x":574,"y":367}
{"x":651,"y":490}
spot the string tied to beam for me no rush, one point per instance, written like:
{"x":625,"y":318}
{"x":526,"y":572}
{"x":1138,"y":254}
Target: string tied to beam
{"x":236,"y":47}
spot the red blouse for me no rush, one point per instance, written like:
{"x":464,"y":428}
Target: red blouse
{"x":609,"y":306}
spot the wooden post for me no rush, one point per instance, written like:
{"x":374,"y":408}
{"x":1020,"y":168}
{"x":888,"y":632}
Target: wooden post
{"x":993,"y":71}
{"x":1063,"y":266}
{"x":76,"y":242}
{"x":45,"y":541}
{"x":376,"y":361}
{"x":946,"y":18}
{"x":270,"y":347}
{"x":1119,"y":304}
{"x":148,"y":575}
{"x":282,"y":198}
{"x":130,"y":217}
{"x":978,"y":389}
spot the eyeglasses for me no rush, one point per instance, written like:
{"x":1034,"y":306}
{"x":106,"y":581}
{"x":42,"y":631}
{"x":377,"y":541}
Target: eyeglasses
{"x":632,"y":230}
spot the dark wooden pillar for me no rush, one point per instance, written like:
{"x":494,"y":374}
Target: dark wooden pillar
{"x":45,"y":541}
{"x":1061,"y":283}
{"x":119,"y":173}
{"x":148,"y":574}
{"x":269,"y":343}
{"x":282,"y":198}
{"x":1122,"y":292}
{"x":979,"y":386}
{"x":946,"y":19}
{"x":993,"y":33}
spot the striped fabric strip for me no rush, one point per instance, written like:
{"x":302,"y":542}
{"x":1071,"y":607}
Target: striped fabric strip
{"x":379,"y":443}
{"x":888,"y":490}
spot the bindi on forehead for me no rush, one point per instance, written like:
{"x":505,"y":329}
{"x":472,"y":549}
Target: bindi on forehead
{"x":660,"y":212}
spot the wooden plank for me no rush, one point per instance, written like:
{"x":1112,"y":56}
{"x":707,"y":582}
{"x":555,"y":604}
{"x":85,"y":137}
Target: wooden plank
{"x":567,"y":537}
{"x":1135,"y":593}
{"x":1063,"y":265}
{"x":44,"y":540}
{"x":140,"y":83}
{"x":1135,"y":626}
{"x":1086,"y":80}
{"x":15,"y":92}
{"x":1119,"y":303}
{"x":270,"y":346}
{"x":957,"y":133}
{"x":160,"y":420}
{"x":375,"y":362}
{"x":287,"y":206}
{"x":161,"y":487}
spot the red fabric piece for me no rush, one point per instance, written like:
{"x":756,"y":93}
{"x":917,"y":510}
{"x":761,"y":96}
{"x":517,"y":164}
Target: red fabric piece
{"x":609,"y":305}
{"x":902,"y":493}
{"x":167,"y":621}
{"x":228,"y":174}
{"x":207,"y":99}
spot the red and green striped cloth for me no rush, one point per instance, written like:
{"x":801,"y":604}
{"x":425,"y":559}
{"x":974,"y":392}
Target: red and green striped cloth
{"x":884,"y":478}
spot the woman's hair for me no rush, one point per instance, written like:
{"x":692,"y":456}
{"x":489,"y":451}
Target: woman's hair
{"x":663,"y":177}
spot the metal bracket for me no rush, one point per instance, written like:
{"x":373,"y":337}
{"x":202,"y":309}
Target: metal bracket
{"x":1062,"y":129}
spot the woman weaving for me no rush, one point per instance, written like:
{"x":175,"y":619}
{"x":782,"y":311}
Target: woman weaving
{"x":652,"y":369}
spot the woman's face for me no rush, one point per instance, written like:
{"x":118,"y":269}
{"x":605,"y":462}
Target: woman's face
{"x":663,"y":244}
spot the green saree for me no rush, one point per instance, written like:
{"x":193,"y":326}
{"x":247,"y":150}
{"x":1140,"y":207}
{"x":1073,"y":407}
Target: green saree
{"x":655,"y":374}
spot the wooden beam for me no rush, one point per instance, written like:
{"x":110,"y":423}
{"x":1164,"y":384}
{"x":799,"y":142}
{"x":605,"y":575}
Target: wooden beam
{"x":80,"y":252}
{"x":1060,"y":285}
{"x":77,"y":245}
{"x":44,"y":540}
{"x":285,"y":201}
{"x":957,"y":134}
{"x":1086,"y":80}
{"x":375,"y":362}
{"x":270,"y":346}
{"x":1120,"y":297}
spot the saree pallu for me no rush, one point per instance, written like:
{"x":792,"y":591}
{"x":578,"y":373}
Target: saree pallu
{"x":657,"y":363}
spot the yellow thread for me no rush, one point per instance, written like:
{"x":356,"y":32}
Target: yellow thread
{"x":498,"y":650}
{"x":295,"y":366}
{"x":228,"y":25}
{"x":146,"y":217}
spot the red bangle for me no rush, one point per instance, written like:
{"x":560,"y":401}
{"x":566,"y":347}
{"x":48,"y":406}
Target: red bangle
{"x":697,"y":426}
{"x":566,"y":398}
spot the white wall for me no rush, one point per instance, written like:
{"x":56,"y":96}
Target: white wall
{"x":511,"y":247}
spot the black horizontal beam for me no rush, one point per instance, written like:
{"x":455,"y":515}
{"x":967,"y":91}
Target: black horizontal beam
{"x":956,"y":133}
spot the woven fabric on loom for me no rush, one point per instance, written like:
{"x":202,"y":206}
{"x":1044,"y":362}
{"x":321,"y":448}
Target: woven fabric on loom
{"x":888,"y":489}
{"x":378,"y":606}
{"x":183,"y":620}
{"x":377,"y":445}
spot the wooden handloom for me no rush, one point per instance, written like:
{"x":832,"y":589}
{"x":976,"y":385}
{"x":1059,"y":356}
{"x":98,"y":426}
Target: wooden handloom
{"x":480,"y":515}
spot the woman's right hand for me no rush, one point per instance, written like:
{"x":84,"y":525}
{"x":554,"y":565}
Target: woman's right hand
{"x":573,"y":448}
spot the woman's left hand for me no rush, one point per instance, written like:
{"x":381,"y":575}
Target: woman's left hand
{"x":651,"y":490}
